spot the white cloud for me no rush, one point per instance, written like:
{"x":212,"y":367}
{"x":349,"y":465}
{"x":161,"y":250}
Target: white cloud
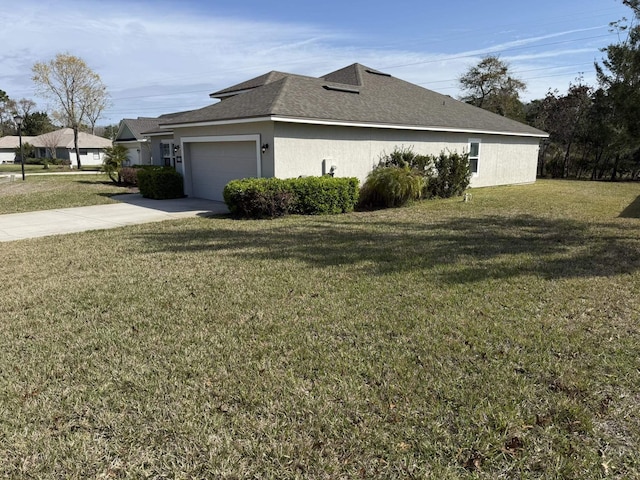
{"x":155,"y":60}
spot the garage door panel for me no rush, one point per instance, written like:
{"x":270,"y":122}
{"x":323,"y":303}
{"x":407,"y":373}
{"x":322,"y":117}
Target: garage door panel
{"x":214,"y":164}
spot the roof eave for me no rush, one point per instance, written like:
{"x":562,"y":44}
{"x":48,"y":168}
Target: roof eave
{"x":428,"y":128}
{"x":343,"y":123}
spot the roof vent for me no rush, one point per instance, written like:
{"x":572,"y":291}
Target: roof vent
{"x":336,"y":88}
{"x":374,"y":72}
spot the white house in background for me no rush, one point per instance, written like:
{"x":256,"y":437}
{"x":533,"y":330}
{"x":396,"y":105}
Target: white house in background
{"x":138,"y":146}
{"x":147,"y":143}
{"x":8,"y":146}
{"x":284,"y":125}
{"x":91,"y":146}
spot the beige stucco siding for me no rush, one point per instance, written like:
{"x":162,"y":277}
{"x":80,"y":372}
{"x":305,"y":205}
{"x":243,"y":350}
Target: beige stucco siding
{"x":506,"y":160}
{"x":300,"y":150}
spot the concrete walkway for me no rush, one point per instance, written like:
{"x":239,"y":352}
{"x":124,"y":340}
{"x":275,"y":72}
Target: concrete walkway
{"x":132,"y":209}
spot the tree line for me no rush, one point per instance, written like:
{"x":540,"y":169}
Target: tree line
{"x":594,"y":131}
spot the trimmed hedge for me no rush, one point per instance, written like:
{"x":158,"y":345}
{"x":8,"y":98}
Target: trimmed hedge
{"x":275,"y":197}
{"x":160,"y":183}
{"x":323,"y":195}
{"x":257,"y":197}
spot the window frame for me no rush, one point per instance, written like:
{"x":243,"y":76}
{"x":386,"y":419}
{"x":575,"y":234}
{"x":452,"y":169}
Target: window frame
{"x":475,"y":158}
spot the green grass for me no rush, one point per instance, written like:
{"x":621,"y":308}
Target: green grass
{"x":16,"y":168}
{"x":493,"y":339}
{"x":56,"y":191}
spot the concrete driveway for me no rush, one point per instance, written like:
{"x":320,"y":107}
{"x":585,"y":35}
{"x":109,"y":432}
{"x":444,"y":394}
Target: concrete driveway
{"x":132,"y":209}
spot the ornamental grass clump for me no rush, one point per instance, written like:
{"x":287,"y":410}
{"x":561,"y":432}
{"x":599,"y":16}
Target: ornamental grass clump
{"x":388,"y":187}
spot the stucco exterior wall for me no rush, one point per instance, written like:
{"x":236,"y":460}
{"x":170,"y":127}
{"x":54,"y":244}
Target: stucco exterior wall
{"x":264,"y":129}
{"x":301,"y":149}
{"x":7,"y":156}
{"x":506,"y":161}
{"x":93,"y":156}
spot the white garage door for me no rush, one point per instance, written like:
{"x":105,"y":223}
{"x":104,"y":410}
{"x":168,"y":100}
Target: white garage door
{"x":214,"y":164}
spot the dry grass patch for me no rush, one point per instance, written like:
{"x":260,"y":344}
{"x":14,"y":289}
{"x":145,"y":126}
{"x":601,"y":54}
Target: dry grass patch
{"x":495,"y":339}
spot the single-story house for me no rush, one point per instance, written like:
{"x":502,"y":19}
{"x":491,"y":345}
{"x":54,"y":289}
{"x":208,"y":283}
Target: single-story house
{"x":147,"y":143}
{"x":286,"y":125}
{"x":61,"y":141}
{"x":8,"y":146}
{"x":130,"y":135}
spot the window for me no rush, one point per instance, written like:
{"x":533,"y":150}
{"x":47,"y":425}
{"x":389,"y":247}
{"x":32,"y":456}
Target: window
{"x":474,"y":156}
{"x":168,"y":154}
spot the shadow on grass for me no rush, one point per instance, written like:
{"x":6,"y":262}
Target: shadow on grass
{"x":98,"y":182}
{"x":454,"y":251}
{"x":633,"y":210}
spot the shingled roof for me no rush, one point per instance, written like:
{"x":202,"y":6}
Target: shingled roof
{"x":156,"y":127}
{"x":63,"y":138}
{"x":352,"y":95}
{"x":136,"y":126}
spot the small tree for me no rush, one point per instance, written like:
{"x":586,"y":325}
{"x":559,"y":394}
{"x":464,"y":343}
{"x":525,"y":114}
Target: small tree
{"x":28,"y":151}
{"x":114,"y":158}
{"x":50,"y":141}
{"x":76,"y":90}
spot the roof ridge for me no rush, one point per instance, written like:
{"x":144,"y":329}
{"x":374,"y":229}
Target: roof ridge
{"x":278,"y":97}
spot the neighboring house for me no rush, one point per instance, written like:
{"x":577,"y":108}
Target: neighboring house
{"x":61,"y":142}
{"x":286,"y":125}
{"x":147,"y":143}
{"x":138,"y":146}
{"x":8,"y":146}
{"x":165,"y":150}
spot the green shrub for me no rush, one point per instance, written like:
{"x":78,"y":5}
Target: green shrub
{"x":274,"y":197}
{"x":406,"y":157}
{"x":258,"y":197}
{"x":28,"y":152}
{"x":323,"y":195}
{"x":446,"y":175}
{"x":391,"y":187}
{"x":160,"y":183}
{"x":452,"y":175}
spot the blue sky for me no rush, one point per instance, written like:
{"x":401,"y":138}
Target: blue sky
{"x":164,"y":56}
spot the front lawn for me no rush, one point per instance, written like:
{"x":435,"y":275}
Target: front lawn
{"x":498,"y":338}
{"x":56,"y":191}
{"x":28,"y":168}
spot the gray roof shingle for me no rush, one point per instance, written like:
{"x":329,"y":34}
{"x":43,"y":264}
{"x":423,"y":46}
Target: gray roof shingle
{"x":137,"y":126}
{"x":354,"y":94}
